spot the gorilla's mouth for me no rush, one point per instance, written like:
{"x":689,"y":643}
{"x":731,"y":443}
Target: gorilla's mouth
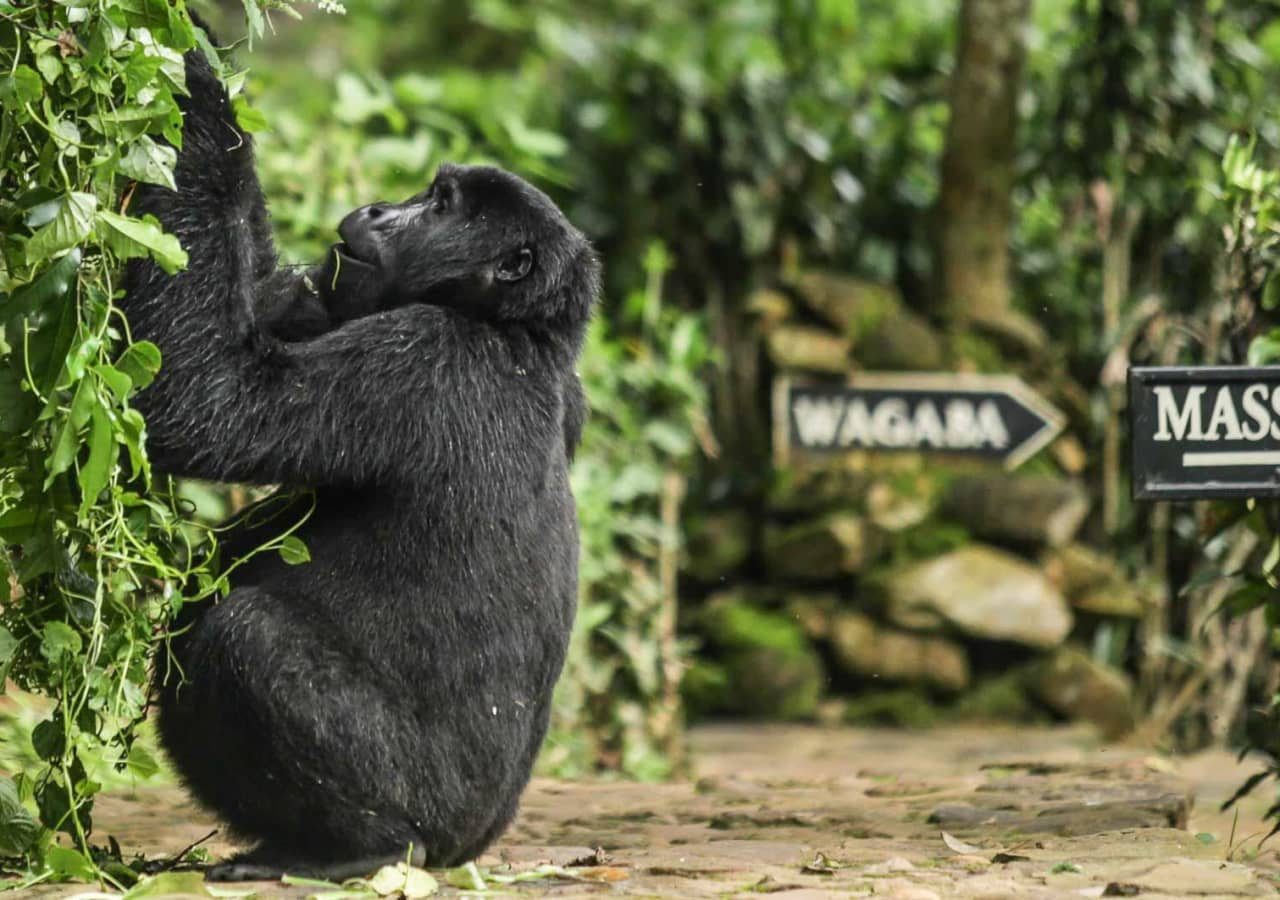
{"x":347,"y":255}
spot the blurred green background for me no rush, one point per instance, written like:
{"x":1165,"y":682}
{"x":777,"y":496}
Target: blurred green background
{"x":813,"y":187}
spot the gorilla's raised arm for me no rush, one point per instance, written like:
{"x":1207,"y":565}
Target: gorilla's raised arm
{"x":463,"y":309}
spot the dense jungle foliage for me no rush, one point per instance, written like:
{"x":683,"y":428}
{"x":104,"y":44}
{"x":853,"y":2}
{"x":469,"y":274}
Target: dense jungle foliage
{"x":709,"y":149}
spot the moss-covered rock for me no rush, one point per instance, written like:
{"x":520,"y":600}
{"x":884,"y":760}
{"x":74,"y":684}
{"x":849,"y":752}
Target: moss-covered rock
{"x":1018,"y":509}
{"x":803,"y":348}
{"x":904,"y":707}
{"x":900,"y":341}
{"x":1093,"y":582}
{"x":769,"y":307}
{"x":718,"y":543}
{"x":822,"y":549}
{"x":1073,"y":685}
{"x":817,"y":487}
{"x":852,"y":306}
{"x":1002,"y":698}
{"x":979,"y":591}
{"x":865,"y":648}
{"x":770,"y":668}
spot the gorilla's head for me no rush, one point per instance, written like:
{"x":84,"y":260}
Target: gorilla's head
{"x":479,"y":239}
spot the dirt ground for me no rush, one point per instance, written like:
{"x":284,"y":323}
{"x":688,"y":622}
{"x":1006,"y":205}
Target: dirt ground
{"x":815,"y":812}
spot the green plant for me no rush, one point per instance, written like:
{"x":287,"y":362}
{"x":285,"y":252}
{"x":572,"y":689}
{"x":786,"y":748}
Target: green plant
{"x":96,"y":553}
{"x":617,"y":706}
{"x":1249,"y":195}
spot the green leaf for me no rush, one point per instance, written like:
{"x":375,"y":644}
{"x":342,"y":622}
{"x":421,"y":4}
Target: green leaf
{"x":69,"y":227}
{"x":248,"y":117}
{"x":19,"y":829}
{"x":8,"y":646}
{"x":116,"y":381}
{"x":293,"y":551}
{"x":1265,"y":348}
{"x":534,"y":141}
{"x":467,"y":877}
{"x":142,"y":763}
{"x":58,"y":638}
{"x":150,"y":162}
{"x":48,"y":739}
{"x":140,"y":362}
{"x":404,"y":880}
{"x":170,"y":884}
{"x":22,"y":87}
{"x":139,"y":72}
{"x":133,"y":430}
{"x":49,"y":65}
{"x":68,"y":863}
{"x":131,"y":238}
{"x":102,"y":458}
{"x":55,"y":282}
{"x":68,"y":440}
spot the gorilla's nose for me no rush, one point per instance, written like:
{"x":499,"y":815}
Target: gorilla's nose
{"x":362,"y":229}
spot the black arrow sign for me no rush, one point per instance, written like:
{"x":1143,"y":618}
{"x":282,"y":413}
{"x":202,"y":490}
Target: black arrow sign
{"x":1205,"y":431}
{"x":992,"y":416}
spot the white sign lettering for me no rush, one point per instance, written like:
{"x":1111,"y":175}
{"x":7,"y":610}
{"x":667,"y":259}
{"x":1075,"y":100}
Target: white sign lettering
{"x":891,"y":423}
{"x":1260,"y":404}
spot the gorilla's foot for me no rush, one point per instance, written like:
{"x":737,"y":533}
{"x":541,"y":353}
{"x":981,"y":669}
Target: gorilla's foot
{"x":264,"y":864}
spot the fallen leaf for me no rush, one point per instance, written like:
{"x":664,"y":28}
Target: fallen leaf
{"x":409,"y":881}
{"x":959,"y":846}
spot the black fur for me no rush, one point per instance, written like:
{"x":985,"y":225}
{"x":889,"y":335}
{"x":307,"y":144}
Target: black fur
{"x":395,"y":690}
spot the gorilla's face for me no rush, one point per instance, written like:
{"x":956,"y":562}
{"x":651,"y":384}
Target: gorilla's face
{"x":478,"y":239}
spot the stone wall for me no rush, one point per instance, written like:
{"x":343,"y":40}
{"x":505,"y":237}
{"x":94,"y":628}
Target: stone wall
{"x":899,"y":587}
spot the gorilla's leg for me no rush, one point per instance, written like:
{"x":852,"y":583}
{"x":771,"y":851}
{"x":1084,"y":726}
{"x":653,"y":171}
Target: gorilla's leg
{"x":278,"y":726}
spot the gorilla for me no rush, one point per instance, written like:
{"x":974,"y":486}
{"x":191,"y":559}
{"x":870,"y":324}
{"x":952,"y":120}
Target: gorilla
{"x":390,"y":695}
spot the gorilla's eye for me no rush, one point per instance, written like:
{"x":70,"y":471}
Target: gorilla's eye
{"x":515,"y":266}
{"x":441,"y":197}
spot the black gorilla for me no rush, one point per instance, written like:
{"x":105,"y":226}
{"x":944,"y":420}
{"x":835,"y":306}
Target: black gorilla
{"x":394,"y":691}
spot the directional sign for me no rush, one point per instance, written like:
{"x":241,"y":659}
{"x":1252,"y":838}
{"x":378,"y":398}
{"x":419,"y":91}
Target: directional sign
{"x":1205,"y":432}
{"x":996,"y":417}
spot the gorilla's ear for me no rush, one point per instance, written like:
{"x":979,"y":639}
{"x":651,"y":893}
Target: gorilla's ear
{"x":515,"y":266}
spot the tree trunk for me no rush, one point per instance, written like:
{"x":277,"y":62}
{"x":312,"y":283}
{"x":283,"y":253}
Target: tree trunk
{"x":978,"y":161}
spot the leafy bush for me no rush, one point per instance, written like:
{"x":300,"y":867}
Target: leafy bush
{"x":96,"y":554}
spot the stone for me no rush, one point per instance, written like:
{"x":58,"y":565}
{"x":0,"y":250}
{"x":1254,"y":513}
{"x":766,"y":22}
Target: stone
{"x":1001,"y":698}
{"x":1116,"y":600}
{"x":802,"y":348}
{"x":822,"y":549}
{"x":981,"y":592}
{"x":893,"y":510}
{"x":900,"y":341}
{"x":863,"y":647}
{"x":770,"y":668}
{"x":813,"y":612}
{"x":769,"y":306}
{"x":851,"y":305}
{"x":817,"y":487}
{"x":718,"y":544}
{"x":1093,"y":582}
{"x":1019,"y":509}
{"x":1074,"y":685}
